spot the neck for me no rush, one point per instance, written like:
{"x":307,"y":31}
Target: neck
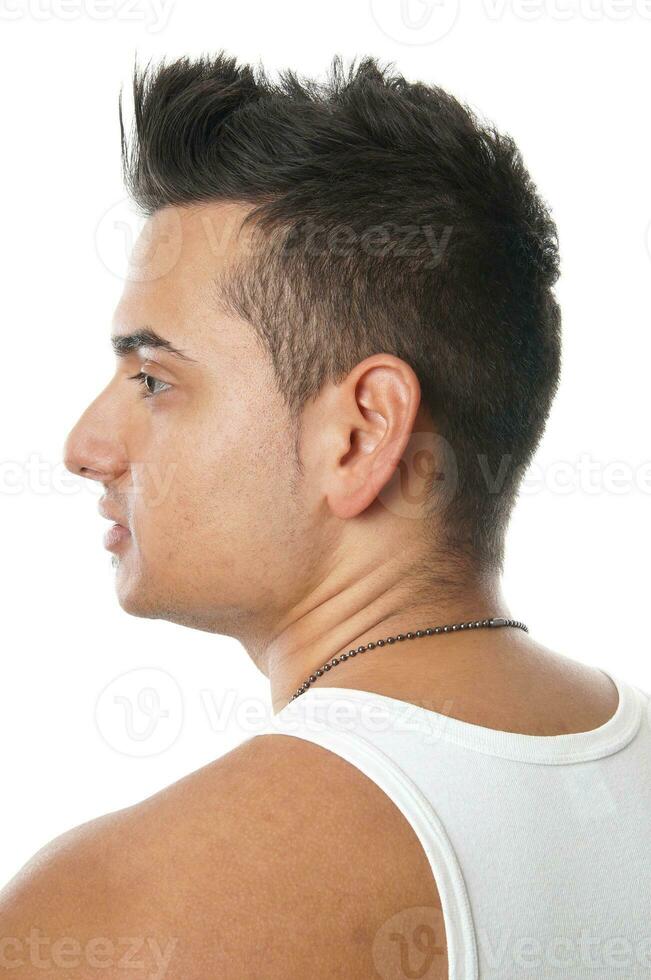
{"x":375,"y":605}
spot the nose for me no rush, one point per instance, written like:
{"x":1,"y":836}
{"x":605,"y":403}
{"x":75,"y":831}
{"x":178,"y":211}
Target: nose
{"x":93,"y":448}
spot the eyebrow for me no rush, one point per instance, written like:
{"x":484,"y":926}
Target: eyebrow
{"x":124,"y":344}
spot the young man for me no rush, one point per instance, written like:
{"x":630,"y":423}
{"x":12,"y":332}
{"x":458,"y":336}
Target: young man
{"x":336,"y":348}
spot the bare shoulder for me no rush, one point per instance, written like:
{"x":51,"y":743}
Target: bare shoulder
{"x":280,"y":859}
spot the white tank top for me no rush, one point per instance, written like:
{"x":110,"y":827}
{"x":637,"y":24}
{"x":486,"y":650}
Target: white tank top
{"x":540,"y":846}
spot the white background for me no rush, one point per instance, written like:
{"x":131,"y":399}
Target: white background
{"x":570,"y":81}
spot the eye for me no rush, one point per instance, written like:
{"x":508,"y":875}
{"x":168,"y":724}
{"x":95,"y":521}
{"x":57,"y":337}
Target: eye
{"x":149,"y":390}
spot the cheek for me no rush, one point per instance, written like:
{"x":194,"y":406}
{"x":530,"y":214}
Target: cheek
{"x":156,"y":484}
{"x":224,"y":488}
{"x":241,"y":499}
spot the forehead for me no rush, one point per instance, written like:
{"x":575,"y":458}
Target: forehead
{"x":179,"y":256}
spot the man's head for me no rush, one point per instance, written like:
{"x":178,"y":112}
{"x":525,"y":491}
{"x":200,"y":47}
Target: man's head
{"x":361,"y":284}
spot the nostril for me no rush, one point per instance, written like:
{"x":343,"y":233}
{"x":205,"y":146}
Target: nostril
{"x":91,"y":474}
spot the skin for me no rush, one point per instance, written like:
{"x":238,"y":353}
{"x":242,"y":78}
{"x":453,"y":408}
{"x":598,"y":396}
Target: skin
{"x":227,"y":536}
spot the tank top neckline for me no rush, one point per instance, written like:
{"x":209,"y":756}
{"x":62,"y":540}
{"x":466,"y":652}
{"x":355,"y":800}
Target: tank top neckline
{"x":608,"y":738}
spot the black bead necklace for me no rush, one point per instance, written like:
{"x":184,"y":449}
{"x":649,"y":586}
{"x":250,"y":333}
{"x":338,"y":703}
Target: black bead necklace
{"x":430,"y":631}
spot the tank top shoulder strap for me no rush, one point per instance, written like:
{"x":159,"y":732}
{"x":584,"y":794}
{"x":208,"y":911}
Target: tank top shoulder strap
{"x":348,"y":742}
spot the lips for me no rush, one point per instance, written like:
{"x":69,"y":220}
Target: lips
{"x":116,"y":536}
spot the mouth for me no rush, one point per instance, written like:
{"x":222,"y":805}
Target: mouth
{"x":116,"y":537}
{"x":118,"y":534}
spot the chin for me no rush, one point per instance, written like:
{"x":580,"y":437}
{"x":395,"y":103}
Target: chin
{"x":132,"y":595}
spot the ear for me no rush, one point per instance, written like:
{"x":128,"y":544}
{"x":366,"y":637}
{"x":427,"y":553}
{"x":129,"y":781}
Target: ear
{"x":369,"y":422}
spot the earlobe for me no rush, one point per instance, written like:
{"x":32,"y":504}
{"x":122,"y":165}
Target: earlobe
{"x":373,"y":412}
{"x":368,"y":474}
